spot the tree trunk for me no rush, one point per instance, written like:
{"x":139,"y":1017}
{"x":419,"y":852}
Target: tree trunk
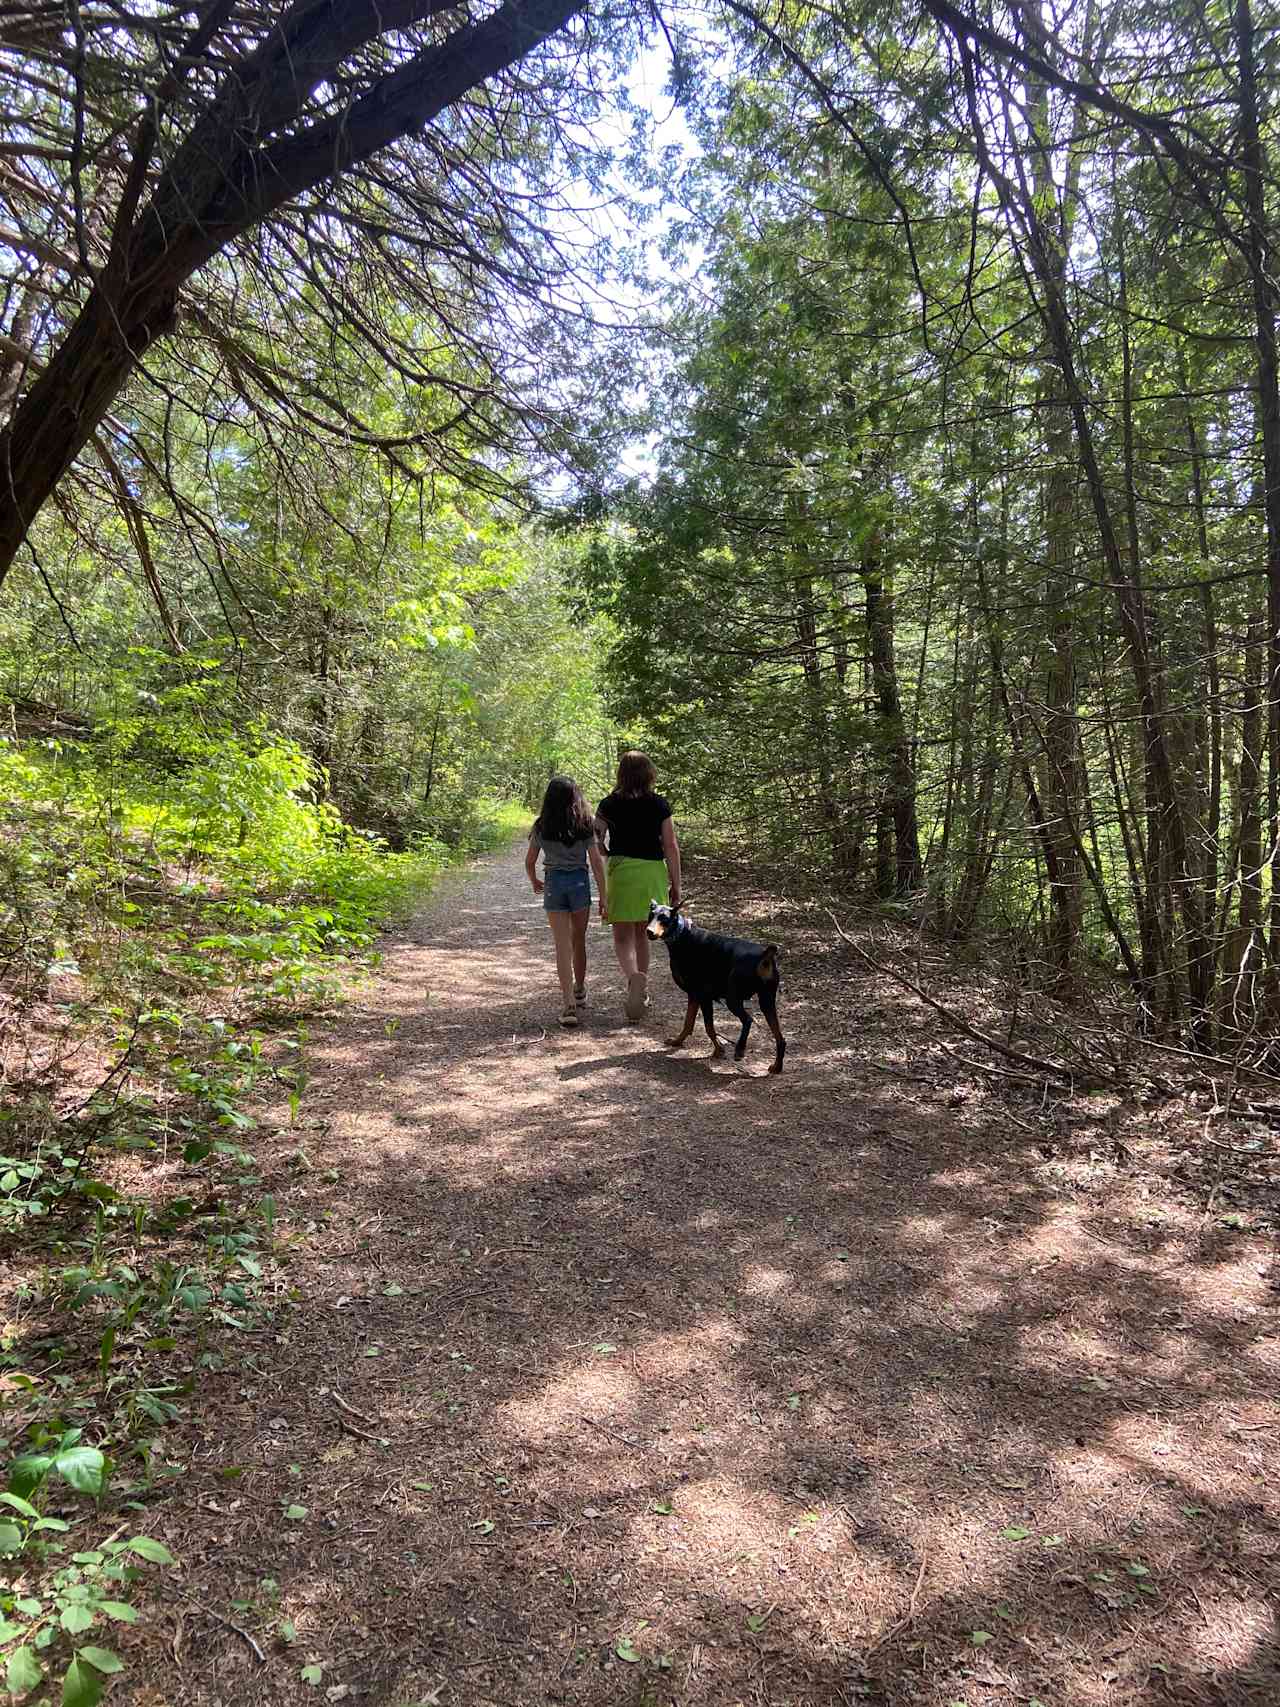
{"x":901,"y":874}
{"x":240,"y":162}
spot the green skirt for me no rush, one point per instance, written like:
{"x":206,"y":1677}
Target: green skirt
{"x":632,"y":884}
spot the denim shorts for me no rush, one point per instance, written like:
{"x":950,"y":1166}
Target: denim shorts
{"x":566,"y":891}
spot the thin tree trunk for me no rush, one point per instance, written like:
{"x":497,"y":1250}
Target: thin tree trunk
{"x":901,"y":873}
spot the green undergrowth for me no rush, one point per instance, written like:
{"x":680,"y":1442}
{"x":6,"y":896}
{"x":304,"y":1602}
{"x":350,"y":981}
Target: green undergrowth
{"x":177,"y":904}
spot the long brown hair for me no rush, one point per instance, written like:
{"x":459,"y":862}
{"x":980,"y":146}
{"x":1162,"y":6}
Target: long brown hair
{"x":636,"y":775}
{"x":565,"y":815}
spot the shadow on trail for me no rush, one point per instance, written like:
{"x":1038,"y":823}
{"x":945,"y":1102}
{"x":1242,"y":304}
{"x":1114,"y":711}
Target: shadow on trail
{"x":704,"y":1387}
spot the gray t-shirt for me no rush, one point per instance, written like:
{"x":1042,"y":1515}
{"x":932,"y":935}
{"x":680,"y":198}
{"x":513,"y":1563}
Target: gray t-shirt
{"x":561,"y":856}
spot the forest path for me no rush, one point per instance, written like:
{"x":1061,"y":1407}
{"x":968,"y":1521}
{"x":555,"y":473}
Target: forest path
{"x":662,"y":1382}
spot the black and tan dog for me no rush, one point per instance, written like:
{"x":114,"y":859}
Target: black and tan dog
{"x":710,"y":968}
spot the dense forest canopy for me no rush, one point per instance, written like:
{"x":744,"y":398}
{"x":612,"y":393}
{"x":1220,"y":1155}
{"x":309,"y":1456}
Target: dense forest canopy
{"x":957,"y":571}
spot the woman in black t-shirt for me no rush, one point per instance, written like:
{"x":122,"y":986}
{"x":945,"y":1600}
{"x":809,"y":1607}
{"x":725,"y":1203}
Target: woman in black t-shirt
{"x":638,"y":832}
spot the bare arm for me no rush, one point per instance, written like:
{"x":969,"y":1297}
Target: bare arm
{"x":671,"y":853}
{"x":531,"y":869}
{"x":602,"y":888}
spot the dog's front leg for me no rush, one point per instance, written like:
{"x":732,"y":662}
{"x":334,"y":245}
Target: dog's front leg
{"x":709,"y":1021}
{"x":687,"y":1032}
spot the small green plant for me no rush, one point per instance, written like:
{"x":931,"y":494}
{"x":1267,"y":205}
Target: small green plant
{"x":49,"y":1601}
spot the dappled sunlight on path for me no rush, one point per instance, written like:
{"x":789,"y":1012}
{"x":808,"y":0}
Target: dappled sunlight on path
{"x":706,"y":1387}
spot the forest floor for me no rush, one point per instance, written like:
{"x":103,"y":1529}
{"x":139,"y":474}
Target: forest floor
{"x":608,"y":1376}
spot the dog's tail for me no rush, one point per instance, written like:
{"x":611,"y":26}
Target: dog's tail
{"x":768,"y":964}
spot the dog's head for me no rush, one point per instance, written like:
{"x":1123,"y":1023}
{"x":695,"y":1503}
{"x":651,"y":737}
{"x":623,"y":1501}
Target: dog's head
{"x":665,"y":924}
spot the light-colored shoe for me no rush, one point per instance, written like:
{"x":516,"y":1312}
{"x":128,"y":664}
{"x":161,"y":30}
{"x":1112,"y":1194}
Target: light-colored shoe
{"x":637,"y":997}
{"x":569,"y":1018}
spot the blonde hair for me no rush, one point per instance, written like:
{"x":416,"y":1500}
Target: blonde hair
{"x":636,"y":774}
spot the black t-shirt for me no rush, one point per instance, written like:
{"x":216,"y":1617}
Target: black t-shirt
{"x":635,"y":824}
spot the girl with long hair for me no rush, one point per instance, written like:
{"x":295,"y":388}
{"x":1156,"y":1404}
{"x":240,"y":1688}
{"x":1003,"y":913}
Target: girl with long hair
{"x":635,"y":823}
{"x":564,"y":834}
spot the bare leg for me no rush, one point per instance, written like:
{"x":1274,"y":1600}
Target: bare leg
{"x":580,"y":920}
{"x":624,"y":946}
{"x":686,"y":1030}
{"x":562,"y":930}
{"x":642,"y":950}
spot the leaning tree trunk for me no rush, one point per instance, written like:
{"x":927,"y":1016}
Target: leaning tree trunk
{"x":251,"y":151}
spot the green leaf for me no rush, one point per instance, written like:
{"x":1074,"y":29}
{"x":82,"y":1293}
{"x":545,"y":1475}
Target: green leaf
{"x":50,"y":1523}
{"x":625,"y":1651}
{"x":661,"y":1507}
{"x":485,"y":1526}
{"x":101,"y":1659}
{"x":312,"y":1674}
{"x":1014,"y":1532}
{"x":83,"y":1468}
{"x":295,"y":1513}
{"x":23,"y":1672}
{"x":8,"y":1629}
{"x":287,"y":1630}
{"x":155,"y":1551}
{"x":28,"y":1471}
{"x":980,"y":1638}
{"x":82,"y":1686}
{"x":605,"y":1347}
{"x":17,"y":1503}
{"x":118,"y":1610}
{"x":76,"y":1618}
{"x":10,"y":1538}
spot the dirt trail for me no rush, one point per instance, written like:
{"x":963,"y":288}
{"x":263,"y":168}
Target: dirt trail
{"x":665,"y":1383}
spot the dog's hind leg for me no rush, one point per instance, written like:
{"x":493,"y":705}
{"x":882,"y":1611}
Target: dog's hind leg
{"x":686,"y":1030}
{"x":737,"y":1007}
{"x":709,"y":1021}
{"x":769,"y":1008}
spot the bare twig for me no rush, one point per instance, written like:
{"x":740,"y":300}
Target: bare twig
{"x":1053,"y":1067}
{"x":360,"y":1433}
{"x":622,"y":1439}
{"x":988,"y":1067}
{"x":350,"y":1409}
{"x":244,"y":1635}
{"x":905,"y":1622}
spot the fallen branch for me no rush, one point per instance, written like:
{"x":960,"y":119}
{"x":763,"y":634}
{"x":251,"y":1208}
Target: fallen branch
{"x":244,"y":1635}
{"x":905,"y":1622}
{"x":350,"y":1409}
{"x":1053,"y":1067}
{"x":622,"y":1439}
{"x":1239,"y":1150}
{"x":360,"y":1433}
{"x":988,"y":1067}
